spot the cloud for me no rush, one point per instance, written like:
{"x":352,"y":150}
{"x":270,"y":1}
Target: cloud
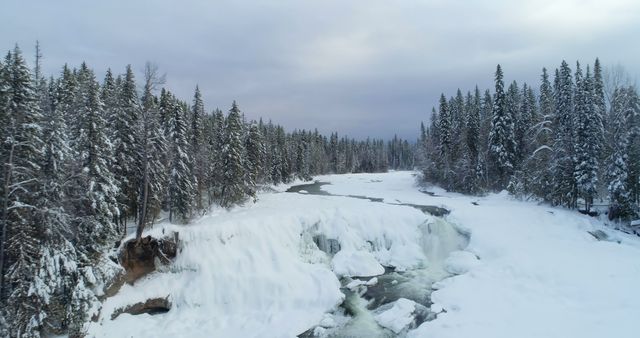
{"x":364,"y":68}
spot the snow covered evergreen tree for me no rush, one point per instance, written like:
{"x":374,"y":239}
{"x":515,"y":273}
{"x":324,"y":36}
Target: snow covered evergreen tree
{"x":542,"y":138}
{"x":127,"y":162}
{"x":96,"y":186}
{"x":151,"y":151}
{"x":21,"y":158}
{"x":564,"y":140}
{"x":444,"y":133}
{"x":215,"y":173}
{"x":181,"y":180}
{"x":234,"y":183}
{"x":472,"y":137}
{"x":621,"y":205}
{"x":588,"y":134}
{"x":501,"y":137}
{"x":109,"y":97}
{"x":94,"y":193}
{"x":197,"y":141}
{"x":631,"y":112}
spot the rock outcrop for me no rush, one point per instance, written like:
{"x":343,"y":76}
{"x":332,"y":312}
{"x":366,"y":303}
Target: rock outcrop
{"x":139,"y":258}
{"x":150,"y":306}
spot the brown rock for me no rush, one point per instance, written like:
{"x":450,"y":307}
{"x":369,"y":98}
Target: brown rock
{"x":138,"y":257}
{"x":150,"y":306}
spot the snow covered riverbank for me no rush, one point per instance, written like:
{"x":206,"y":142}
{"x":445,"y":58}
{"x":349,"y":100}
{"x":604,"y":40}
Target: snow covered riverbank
{"x":256,"y":271}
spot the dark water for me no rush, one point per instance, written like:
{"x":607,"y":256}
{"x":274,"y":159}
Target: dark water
{"x":356,"y":315}
{"x":316,"y":189}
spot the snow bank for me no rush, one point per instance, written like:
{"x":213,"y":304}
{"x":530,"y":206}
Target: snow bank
{"x":255,"y":271}
{"x":460,"y":262}
{"x":356,"y":264}
{"x":540,"y":273}
{"x":398,"y":316}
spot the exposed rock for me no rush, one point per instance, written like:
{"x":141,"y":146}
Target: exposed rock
{"x":429,"y":209}
{"x":139,"y":257}
{"x":328,"y":245}
{"x":114,"y":286}
{"x":150,"y":306}
{"x":592,"y":213}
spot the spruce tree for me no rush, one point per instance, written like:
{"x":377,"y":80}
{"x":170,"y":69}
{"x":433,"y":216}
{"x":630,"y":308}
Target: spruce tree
{"x":620,"y":205}
{"x":256,"y":154}
{"x":109,"y":97}
{"x":215,"y":167}
{"x":472,"y":137}
{"x":445,"y":136}
{"x":197,"y":141}
{"x":563,"y":148}
{"x":587,"y":134}
{"x":97,"y":188}
{"x":234,"y":184}
{"x":181,"y":180}
{"x":151,"y":151}
{"x":632,"y":118}
{"x":21,"y":236}
{"x":127,"y":162}
{"x":501,"y":137}
{"x":542,"y":141}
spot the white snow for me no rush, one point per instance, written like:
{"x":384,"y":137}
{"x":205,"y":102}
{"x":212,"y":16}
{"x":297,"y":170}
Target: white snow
{"x":529,"y":270}
{"x":356,"y":263}
{"x":371,"y":282}
{"x":255,"y":271}
{"x":460,"y":262}
{"x":398,"y":316}
{"x":328,"y":321}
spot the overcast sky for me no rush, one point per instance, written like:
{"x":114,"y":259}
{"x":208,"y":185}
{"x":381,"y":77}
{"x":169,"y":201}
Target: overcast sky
{"x":363,"y":68}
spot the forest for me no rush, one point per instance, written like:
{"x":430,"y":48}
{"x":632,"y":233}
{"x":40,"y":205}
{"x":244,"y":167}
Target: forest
{"x":84,"y":160}
{"x":572,"y":141}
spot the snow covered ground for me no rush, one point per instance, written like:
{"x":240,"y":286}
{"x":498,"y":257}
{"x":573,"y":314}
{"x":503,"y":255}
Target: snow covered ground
{"x":255,"y":271}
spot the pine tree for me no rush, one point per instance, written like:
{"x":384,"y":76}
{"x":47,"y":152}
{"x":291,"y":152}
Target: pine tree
{"x":234,"y":184}
{"x":197,"y":146}
{"x":65,"y":101}
{"x":457,"y":115}
{"x":256,"y":154}
{"x":587,"y":134}
{"x":501,"y":137}
{"x":444,"y":133}
{"x":97,"y":188}
{"x":215,"y":170}
{"x":181,"y":180}
{"x":632,"y":117}
{"x":524,"y":124}
{"x":57,"y":151}
{"x":333,"y":150}
{"x":542,"y":139}
{"x":563,"y":149}
{"x":151,"y":152}
{"x":127,"y":163}
{"x":472,"y":138}
{"x":21,"y":155}
{"x":109,"y":97}
{"x":620,"y":199}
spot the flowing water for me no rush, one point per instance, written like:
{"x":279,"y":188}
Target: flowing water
{"x":355,"y":317}
{"x":316,"y":189}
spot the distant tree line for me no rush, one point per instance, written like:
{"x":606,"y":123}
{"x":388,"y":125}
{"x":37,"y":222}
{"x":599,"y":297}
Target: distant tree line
{"x":82,"y":158}
{"x":572,"y":141}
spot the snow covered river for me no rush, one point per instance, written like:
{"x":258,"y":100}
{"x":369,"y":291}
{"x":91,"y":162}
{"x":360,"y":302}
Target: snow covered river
{"x":396,"y":301}
{"x":364,"y":256}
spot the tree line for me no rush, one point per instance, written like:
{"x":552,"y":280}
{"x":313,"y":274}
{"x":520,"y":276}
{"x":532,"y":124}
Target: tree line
{"x":572,"y":141}
{"x":82,"y":159}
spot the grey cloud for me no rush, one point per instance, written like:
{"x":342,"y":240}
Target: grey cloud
{"x":364,"y":68}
